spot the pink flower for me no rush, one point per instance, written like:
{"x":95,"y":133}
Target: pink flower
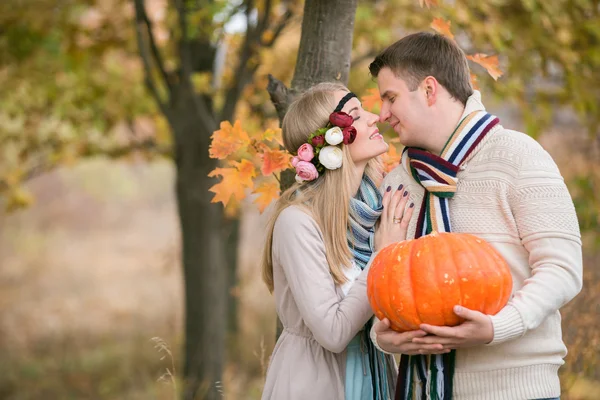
{"x":318,"y":141}
{"x":306,"y":152}
{"x":295,"y":161}
{"x":349,"y":133}
{"x":306,"y":171}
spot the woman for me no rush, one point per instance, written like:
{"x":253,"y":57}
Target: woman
{"x":318,"y":245}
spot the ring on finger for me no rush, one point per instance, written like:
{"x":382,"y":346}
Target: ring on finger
{"x":397,"y":220}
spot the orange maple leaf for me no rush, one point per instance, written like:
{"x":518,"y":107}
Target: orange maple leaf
{"x":441,"y":26}
{"x":391,"y":159}
{"x":234,"y":181}
{"x":274,"y":160}
{"x":474,"y":81}
{"x":228,"y":140}
{"x":267,"y":192}
{"x":273,"y":134}
{"x":490,"y":63}
{"x":371,"y":100}
{"x":428,"y":3}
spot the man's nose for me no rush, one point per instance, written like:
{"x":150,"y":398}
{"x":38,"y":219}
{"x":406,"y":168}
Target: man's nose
{"x":384,"y":114}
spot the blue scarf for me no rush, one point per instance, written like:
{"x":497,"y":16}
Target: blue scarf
{"x":365,"y":209}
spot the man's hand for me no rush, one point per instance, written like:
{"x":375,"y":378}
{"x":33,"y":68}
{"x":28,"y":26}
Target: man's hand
{"x":396,"y":342}
{"x":476,"y":330}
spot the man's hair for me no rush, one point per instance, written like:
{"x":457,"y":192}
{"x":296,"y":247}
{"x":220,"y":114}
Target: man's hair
{"x":423,"y":54}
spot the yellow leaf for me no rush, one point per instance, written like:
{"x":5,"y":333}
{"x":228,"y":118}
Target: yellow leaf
{"x":228,"y":140}
{"x":267,"y":36}
{"x":268,"y":135}
{"x":273,"y":134}
{"x":490,"y":63}
{"x":442,"y":27}
{"x":274,"y":161}
{"x":474,"y":81}
{"x":267,"y":192}
{"x":17,"y":199}
{"x":391,"y":159}
{"x":234,"y":181}
{"x":371,"y":101}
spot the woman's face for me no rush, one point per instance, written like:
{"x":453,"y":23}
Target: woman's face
{"x":368,"y":143}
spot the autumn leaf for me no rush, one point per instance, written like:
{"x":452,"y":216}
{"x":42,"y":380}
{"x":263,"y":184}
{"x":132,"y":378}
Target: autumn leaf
{"x":428,"y":3}
{"x":267,"y":192}
{"x":474,"y":81}
{"x":234,"y":181}
{"x":490,"y":63}
{"x":442,"y":27}
{"x":267,"y":36}
{"x":17,"y":199}
{"x":391,"y":159}
{"x":228,"y":140}
{"x":274,"y":160}
{"x":371,"y":100}
{"x":273,"y":134}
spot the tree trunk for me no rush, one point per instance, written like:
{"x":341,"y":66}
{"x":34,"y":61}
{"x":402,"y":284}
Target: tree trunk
{"x":231,"y":236}
{"x":324,"y":56}
{"x":325,"y":43}
{"x":202,"y":247}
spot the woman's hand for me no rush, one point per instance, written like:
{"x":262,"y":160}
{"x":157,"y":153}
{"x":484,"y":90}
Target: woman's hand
{"x":404,"y":343}
{"x":394,"y":220}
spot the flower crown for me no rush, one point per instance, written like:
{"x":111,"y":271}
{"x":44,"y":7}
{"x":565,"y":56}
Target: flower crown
{"x":322,"y":150}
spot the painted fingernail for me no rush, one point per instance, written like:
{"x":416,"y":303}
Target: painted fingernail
{"x":400,"y":187}
{"x":405,"y":193}
{"x":412,"y":205}
{"x":388,"y":189}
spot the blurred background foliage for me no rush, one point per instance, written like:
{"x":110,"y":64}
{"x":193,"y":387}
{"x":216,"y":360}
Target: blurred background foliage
{"x":89,"y":267}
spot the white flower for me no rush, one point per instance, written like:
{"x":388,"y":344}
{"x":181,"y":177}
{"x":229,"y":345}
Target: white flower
{"x":334,"y":136}
{"x":331,"y":157}
{"x":298,"y":179}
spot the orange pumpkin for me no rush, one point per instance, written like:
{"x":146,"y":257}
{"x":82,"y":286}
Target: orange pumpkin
{"x":420,"y":281}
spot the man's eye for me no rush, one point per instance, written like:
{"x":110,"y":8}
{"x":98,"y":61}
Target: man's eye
{"x":392,"y":100}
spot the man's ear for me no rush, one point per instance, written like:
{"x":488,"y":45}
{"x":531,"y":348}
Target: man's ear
{"x":431,"y":89}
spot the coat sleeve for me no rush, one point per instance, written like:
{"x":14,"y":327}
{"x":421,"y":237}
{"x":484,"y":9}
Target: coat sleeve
{"x":299,"y":248}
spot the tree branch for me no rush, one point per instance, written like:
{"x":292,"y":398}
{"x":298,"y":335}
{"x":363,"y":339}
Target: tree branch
{"x":244,"y":71}
{"x":142,"y":17}
{"x":283,"y":22}
{"x":139,"y":10}
{"x":185,"y":52}
{"x":280,"y":95}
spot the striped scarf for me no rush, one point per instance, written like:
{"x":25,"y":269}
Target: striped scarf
{"x":365,"y":209}
{"x":430,"y":377}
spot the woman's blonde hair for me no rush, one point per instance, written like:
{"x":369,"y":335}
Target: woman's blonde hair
{"x":326,"y":198}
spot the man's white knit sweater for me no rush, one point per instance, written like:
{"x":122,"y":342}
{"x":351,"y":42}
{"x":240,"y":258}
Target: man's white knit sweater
{"x":511,"y":194}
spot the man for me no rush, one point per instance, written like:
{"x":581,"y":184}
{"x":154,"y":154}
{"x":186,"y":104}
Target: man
{"x":503,"y":187}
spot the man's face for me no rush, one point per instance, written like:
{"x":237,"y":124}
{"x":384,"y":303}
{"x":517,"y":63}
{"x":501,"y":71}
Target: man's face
{"x":406,"y":111}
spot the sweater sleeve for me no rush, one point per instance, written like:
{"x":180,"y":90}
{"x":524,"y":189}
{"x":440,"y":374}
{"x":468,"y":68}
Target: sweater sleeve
{"x":299,"y":248}
{"x":547,"y":223}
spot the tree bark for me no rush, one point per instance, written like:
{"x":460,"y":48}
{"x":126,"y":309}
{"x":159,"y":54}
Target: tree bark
{"x":202,"y":248}
{"x":325,"y":43}
{"x":324,"y":56}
